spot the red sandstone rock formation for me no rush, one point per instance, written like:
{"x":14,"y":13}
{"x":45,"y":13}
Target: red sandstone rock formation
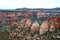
{"x":52,"y":27}
{"x":34,"y":27}
{"x":44,"y":27}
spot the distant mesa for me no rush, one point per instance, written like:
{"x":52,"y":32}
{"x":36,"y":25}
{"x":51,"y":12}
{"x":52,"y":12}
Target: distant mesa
{"x":57,"y":8}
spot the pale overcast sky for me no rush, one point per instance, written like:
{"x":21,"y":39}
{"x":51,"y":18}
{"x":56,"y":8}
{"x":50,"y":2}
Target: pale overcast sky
{"x":12,"y":4}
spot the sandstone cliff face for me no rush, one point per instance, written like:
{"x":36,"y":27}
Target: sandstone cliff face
{"x":34,"y":27}
{"x":29,"y":30}
{"x":22,"y":23}
{"x":52,"y":27}
{"x":56,"y":21}
{"x":57,"y":24}
{"x":44,"y":27}
{"x":28,"y":24}
{"x":14,"y":24}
